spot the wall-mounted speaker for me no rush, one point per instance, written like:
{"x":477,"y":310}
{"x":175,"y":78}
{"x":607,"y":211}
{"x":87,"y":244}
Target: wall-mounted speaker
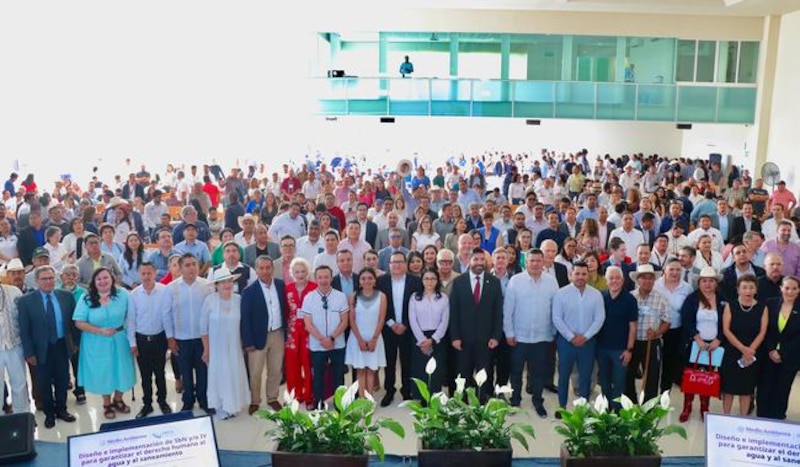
{"x":335,"y":73}
{"x":387,"y":119}
{"x":533,"y":121}
{"x":684,"y":126}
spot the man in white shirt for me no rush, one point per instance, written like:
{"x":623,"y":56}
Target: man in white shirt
{"x":246,"y":236}
{"x":11,"y":354}
{"x":312,"y":187}
{"x":146,"y":321}
{"x":289,"y":223}
{"x":770,"y":226}
{"x":153,"y":212}
{"x":309,"y":246}
{"x":704,"y":228}
{"x":627,"y":232}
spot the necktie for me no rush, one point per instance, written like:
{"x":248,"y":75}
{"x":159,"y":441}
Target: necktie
{"x":51,"y":319}
{"x":79,"y":248}
{"x":686,"y":276}
{"x":476,"y":291}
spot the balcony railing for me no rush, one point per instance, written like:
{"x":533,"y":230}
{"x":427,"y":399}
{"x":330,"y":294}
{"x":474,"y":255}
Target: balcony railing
{"x":714,"y":103}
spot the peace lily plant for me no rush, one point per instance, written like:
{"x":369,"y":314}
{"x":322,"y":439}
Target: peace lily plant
{"x":351,"y":429}
{"x":592,"y":430}
{"x":461,"y":422}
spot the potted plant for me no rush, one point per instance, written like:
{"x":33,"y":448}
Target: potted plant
{"x":459,"y":431}
{"x":596,"y":436}
{"x":322,"y":438}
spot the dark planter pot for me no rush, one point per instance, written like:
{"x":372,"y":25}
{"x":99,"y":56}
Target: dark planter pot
{"x":298,"y":459}
{"x":610,"y":461}
{"x":464,"y":458}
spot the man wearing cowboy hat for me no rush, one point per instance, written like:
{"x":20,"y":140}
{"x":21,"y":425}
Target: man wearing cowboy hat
{"x":654,"y":319}
{"x":246,"y":236}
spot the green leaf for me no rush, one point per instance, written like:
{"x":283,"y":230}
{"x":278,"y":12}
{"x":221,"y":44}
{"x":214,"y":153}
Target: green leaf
{"x":520,"y":439}
{"x":376,"y":446}
{"x":422,"y":387}
{"x":674,"y":429}
{"x":394,"y":426}
{"x":525,"y":428}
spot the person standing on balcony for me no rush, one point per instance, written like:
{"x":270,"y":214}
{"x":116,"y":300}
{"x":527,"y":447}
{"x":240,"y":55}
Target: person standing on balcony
{"x":406,"y":68}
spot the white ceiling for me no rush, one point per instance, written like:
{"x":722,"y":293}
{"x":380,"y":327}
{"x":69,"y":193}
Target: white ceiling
{"x":674,"y":7}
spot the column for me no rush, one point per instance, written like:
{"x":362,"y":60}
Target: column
{"x":767,"y":64}
{"x":621,"y":59}
{"x":453,"y":67}
{"x":566,"y":58}
{"x":505,"y":63}
{"x":382,"y":60}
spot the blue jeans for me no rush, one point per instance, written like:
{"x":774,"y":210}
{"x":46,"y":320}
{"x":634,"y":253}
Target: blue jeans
{"x":319,"y":360}
{"x":568,"y":356}
{"x":536,"y":355}
{"x":612,"y":374}
{"x":190,"y":361}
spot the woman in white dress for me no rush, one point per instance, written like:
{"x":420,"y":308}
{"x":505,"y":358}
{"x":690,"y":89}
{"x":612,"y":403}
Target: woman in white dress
{"x":228,"y":389}
{"x":59,"y":255}
{"x":425,"y":235}
{"x":365,"y":350}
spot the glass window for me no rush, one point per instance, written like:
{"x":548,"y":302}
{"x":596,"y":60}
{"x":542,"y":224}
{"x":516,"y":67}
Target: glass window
{"x":748,"y":62}
{"x":684,"y":69}
{"x":594,"y":58}
{"x":706,"y":54}
{"x":726,"y":61}
{"x":479,"y":60}
{"x":650,"y":59}
{"x":544,"y":57}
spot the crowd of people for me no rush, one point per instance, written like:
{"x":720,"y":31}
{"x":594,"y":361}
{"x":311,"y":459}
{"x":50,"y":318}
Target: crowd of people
{"x":604,"y":272}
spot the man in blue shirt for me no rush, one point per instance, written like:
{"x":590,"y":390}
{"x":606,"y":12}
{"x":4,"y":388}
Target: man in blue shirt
{"x":406,"y":68}
{"x":578,"y":315}
{"x":9,"y":185}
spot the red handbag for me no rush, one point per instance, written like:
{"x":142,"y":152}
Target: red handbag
{"x":703,"y":381}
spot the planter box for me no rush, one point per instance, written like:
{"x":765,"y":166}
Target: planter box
{"x":298,"y":459}
{"x":464,"y":458}
{"x":615,"y":461}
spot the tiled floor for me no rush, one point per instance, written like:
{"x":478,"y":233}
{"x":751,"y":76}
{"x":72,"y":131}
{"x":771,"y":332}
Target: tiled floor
{"x":247,"y":433}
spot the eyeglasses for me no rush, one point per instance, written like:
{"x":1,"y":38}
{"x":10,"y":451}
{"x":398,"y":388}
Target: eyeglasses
{"x":397,"y":262}
{"x":429,"y":278}
{"x":445,"y":261}
{"x":325,"y":302}
{"x":47,"y":278}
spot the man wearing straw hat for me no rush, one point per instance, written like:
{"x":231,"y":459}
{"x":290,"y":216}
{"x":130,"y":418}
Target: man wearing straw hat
{"x":654,"y":320}
{"x":11,"y":354}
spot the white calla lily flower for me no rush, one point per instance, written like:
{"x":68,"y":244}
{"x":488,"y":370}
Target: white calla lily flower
{"x":480,"y":378}
{"x":665,"y":400}
{"x":625,"y":402}
{"x":430,"y":368}
{"x":503,"y":390}
{"x":294,"y":406}
{"x":460,"y":383}
{"x":350,"y":395}
{"x":580,"y":402}
{"x":369,"y":397}
{"x":641,"y":398}
{"x":601,"y":404}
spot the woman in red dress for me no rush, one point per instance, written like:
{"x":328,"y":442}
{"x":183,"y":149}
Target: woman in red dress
{"x":297,"y":357}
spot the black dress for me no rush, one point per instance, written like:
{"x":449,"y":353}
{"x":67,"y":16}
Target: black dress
{"x":745,"y":325}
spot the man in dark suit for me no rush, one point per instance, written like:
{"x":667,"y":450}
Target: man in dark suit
{"x":398,"y":286}
{"x":570,"y":226}
{"x":262,"y":246}
{"x":31,"y":237}
{"x":395,"y":244}
{"x":722,"y":220}
{"x":369,"y":228}
{"x":648,"y":229}
{"x":618,"y":256}
{"x":551,"y":266}
{"x":741,"y":266}
{"x":346,"y":281}
{"x":46,"y":331}
{"x":132,"y":189}
{"x":264,"y":332}
{"x":476,"y":320}
{"x":744,"y":223}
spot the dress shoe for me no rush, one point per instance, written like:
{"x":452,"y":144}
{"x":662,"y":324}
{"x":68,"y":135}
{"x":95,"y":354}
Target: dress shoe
{"x":187,"y":408}
{"x":80,"y":399}
{"x":147,"y":409}
{"x":66,"y":416}
{"x":165,"y":408}
{"x":540,"y":411}
{"x":387,"y":399}
{"x":552,"y":388}
{"x":50,"y":421}
{"x":209,"y":410}
{"x":275,"y":405}
{"x":252,"y":409}
{"x":558,"y":415}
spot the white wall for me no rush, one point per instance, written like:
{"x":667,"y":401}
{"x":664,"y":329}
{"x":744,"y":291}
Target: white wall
{"x":438,"y":138}
{"x":785,"y":117}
